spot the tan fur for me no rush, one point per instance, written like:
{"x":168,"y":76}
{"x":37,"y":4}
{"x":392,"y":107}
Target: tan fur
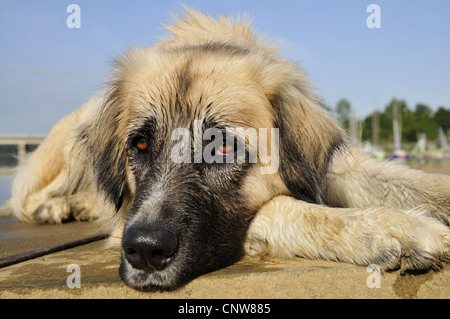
{"x":396,"y":217}
{"x":43,"y":178}
{"x":391,"y":238}
{"x":369,"y":212}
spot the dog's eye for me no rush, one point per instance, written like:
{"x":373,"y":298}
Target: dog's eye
{"x":142,"y":144}
{"x":225,"y":149}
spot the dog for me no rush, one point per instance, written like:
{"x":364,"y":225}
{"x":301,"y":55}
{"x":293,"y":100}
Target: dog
{"x":209,"y":146}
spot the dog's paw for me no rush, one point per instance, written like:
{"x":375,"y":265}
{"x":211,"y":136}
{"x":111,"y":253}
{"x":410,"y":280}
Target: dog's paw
{"x":52,"y":211}
{"x":418,"y":243}
{"x":58,"y":210}
{"x":82,"y":209}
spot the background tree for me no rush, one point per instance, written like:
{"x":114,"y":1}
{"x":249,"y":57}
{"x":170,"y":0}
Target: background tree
{"x":442,"y":118}
{"x":424,"y":122}
{"x":343,"y":109}
{"x":387,"y":117}
{"x":413,"y":122}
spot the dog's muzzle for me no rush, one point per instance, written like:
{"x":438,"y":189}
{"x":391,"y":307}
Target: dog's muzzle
{"x":149,"y":249}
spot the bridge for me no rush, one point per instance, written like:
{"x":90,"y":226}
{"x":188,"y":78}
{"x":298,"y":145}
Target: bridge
{"x":24,"y":142}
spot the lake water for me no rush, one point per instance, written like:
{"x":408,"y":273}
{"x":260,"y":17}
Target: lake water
{"x":5,"y":187}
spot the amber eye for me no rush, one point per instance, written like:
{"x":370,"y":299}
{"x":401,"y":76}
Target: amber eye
{"x":225,"y":150}
{"x":142,"y":144}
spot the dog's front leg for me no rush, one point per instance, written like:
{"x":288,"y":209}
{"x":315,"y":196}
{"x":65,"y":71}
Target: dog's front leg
{"x":393,"y":239}
{"x":357,"y":180}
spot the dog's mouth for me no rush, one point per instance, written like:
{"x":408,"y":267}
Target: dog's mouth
{"x":149,"y":257}
{"x":160,"y":259}
{"x":148,"y":280}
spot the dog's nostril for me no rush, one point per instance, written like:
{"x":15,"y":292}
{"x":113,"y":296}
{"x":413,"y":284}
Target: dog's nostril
{"x":157,"y":252}
{"x":130,"y":251}
{"x":149,"y":249}
{"x":134,"y":258}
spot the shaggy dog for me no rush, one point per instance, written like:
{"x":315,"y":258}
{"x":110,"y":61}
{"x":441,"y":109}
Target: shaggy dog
{"x":210,"y":145}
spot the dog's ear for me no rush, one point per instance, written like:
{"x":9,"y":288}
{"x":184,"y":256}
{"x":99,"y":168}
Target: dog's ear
{"x":104,"y":137}
{"x":101,"y":141}
{"x":308,"y":133}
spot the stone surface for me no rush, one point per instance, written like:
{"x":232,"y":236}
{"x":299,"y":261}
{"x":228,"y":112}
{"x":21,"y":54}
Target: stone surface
{"x":252,"y":277}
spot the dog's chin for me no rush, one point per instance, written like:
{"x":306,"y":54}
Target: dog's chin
{"x":168,"y":278}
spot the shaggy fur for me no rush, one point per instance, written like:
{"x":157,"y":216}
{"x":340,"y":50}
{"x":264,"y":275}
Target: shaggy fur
{"x":327,"y":200}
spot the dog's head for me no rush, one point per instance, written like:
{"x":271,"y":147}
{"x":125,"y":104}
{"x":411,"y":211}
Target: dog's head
{"x":193,"y":138}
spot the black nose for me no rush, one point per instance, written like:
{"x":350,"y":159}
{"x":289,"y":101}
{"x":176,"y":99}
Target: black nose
{"x":149,"y":248}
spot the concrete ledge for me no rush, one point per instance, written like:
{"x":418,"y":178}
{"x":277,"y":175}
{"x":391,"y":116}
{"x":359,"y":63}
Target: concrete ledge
{"x":253,"y":277}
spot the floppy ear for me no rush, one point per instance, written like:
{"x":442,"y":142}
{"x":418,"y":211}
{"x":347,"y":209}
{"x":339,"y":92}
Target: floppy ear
{"x":102,"y":141}
{"x":308,"y":135}
{"x":104,"y":137}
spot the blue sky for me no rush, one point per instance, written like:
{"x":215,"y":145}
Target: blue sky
{"x":47,"y":69}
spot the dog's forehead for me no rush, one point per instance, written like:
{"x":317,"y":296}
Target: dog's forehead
{"x":202,"y":86}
